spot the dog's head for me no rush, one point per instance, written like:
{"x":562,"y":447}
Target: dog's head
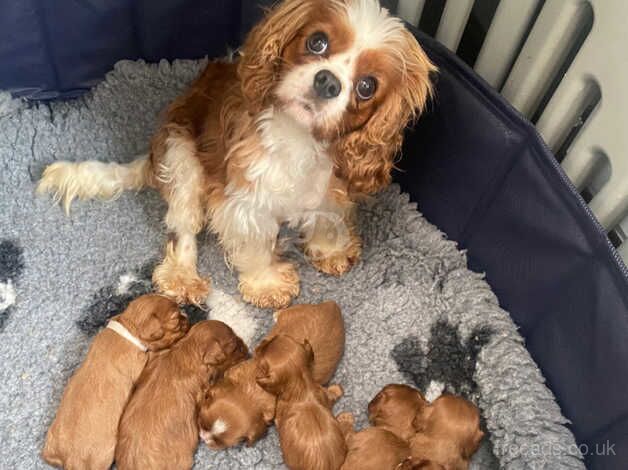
{"x":345,"y":69}
{"x":395,"y":408}
{"x":282,"y":362}
{"x":156,"y":320}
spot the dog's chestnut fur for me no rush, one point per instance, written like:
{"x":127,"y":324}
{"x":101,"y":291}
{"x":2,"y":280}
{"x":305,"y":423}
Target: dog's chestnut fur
{"x":307,"y":119}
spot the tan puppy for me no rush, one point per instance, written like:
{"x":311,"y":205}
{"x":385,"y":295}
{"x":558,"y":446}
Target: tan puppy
{"x":448,"y":433}
{"x":322,"y":326}
{"x":310,"y":437}
{"x":84,"y":432}
{"x":236,"y":409}
{"x":373,"y":448}
{"x":158,"y":428}
{"x":394,"y":408}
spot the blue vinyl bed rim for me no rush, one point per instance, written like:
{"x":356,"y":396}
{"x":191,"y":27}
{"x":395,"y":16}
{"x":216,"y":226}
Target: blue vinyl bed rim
{"x":599,"y":245}
{"x":466,"y":73}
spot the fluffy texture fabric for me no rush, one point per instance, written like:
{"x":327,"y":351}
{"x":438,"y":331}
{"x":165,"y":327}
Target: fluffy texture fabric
{"x":413,"y":311}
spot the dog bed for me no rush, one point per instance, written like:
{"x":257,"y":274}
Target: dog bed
{"x":414,"y":313}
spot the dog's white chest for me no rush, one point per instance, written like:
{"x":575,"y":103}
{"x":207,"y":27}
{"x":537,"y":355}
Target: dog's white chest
{"x":293,"y":174}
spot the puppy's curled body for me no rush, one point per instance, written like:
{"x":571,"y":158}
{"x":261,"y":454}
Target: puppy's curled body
{"x":310,"y":437}
{"x":373,"y":448}
{"x":158,"y":429}
{"x":84,"y":432}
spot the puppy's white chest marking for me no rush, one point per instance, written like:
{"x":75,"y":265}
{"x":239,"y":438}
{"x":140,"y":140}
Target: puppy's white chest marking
{"x":292,"y":175}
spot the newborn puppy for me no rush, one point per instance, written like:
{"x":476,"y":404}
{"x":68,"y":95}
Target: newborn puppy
{"x":322,"y":326}
{"x":158,"y":428}
{"x":448,"y":433}
{"x":310,"y":437}
{"x":395,"y":407}
{"x":237,"y":409}
{"x":84,"y":432}
{"x":373,"y":448}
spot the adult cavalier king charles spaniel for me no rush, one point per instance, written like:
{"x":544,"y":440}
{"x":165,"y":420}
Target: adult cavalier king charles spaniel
{"x":307,"y":119}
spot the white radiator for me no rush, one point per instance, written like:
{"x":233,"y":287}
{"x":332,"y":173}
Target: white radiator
{"x":564,"y":65}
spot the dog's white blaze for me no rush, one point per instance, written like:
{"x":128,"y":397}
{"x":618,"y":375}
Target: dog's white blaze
{"x":373,"y":26}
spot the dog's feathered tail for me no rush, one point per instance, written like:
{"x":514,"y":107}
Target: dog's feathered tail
{"x":94,"y":180}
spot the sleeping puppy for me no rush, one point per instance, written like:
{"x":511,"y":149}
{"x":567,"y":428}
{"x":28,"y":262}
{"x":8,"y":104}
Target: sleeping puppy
{"x":448,"y":433}
{"x":158,"y":428}
{"x":373,"y":448}
{"x":83,"y":434}
{"x":237,"y":409}
{"x":310,"y":437}
{"x":395,"y":407}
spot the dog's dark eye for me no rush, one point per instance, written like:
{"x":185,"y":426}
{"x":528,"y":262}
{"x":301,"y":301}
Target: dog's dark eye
{"x":366,"y":87}
{"x":317,"y":43}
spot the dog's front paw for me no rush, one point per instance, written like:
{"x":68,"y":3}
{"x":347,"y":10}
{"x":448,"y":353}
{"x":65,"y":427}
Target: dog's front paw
{"x":184,"y":286}
{"x":335,"y":262}
{"x":273,"y":287}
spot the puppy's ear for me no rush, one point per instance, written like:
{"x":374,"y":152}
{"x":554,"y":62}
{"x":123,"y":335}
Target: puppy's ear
{"x":264,"y":376}
{"x":376,"y":403}
{"x":152,"y":330}
{"x":262,"y":345}
{"x":262,"y":371}
{"x":474,"y":444}
{"x":418,"y":423}
{"x":214,"y":354}
{"x":268,"y":415}
{"x":257,"y":430}
{"x":308,"y":351}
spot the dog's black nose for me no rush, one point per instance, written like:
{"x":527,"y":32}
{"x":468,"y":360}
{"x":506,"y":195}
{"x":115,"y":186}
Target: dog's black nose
{"x":326,"y":85}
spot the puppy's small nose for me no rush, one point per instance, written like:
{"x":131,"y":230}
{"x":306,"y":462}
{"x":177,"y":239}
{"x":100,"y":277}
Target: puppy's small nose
{"x":326,"y":85}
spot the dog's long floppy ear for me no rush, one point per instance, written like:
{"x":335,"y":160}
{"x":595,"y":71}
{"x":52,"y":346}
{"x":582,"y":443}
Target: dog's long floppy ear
{"x":261,"y":53}
{"x":365,"y":157}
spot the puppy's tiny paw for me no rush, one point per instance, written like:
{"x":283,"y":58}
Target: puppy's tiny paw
{"x":334,"y":392}
{"x":346,"y":418}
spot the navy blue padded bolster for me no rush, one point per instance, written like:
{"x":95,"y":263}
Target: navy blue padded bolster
{"x":481,"y":173}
